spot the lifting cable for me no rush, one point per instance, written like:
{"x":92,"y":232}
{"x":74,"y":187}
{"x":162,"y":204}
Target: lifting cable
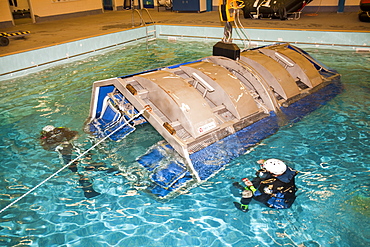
{"x":229,"y":11}
{"x":67,"y":165}
{"x":240,"y":29}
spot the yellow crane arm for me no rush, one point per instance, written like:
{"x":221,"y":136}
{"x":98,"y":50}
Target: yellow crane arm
{"x":227,"y":9}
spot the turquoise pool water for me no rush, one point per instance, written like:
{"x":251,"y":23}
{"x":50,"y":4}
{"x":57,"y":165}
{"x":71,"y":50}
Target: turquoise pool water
{"x":329,"y":148}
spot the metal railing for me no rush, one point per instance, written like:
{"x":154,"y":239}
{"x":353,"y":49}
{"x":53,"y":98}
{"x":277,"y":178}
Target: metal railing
{"x":150,"y":34}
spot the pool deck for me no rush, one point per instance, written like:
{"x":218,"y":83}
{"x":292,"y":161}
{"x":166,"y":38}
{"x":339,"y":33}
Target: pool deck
{"x":51,"y":33}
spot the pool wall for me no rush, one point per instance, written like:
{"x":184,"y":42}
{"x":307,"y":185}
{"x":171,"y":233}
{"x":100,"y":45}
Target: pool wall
{"x":303,"y":38}
{"x":23,"y":63}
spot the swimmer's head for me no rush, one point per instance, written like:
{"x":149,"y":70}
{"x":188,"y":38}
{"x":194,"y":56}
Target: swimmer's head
{"x":48,"y":128}
{"x":275,"y":166}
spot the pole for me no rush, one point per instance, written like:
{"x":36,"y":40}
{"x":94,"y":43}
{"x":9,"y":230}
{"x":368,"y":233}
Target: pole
{"x":341,"y":4}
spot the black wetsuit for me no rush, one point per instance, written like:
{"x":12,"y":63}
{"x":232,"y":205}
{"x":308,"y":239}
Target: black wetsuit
{"x":59,"y":139}
{"x":276,"y":192}
{"x":50,"y":140}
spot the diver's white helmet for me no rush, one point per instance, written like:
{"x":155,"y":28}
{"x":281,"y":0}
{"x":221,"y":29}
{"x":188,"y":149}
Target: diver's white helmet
{"x":48,"y":128}
{"x":275,"y":166}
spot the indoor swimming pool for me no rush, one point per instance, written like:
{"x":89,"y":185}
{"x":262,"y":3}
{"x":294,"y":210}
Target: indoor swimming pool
{"x":329,"y":148}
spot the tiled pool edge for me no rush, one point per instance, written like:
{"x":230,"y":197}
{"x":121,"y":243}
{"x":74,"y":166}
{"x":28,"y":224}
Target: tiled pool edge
{"x":344,"y":40}
{"x":20,"y":64}
{"x":36,"y":60}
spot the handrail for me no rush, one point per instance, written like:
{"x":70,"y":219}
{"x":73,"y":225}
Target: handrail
{"x":143,"y":23}
{"x":150,"y":17}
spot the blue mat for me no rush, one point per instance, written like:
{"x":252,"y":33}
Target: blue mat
{"x":167,"y":176}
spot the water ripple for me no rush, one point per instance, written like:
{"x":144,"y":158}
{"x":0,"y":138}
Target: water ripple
{"x":329,"y":148}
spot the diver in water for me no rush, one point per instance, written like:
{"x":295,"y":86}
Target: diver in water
{"x":274,"y":186}
{"x":60,"y":139}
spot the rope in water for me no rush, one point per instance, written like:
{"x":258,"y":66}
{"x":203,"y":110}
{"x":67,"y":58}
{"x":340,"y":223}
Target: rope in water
{"x":67,"y":165}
